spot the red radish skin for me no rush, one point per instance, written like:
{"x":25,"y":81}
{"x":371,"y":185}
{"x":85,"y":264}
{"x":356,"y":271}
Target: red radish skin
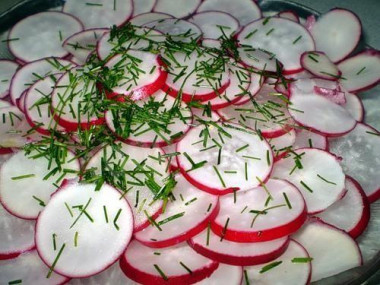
{"x":232,"y":275}
{"x":7,"y":69}
{"x":179,"y":8}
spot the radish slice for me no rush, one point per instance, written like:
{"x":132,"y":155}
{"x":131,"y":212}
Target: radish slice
{"x":102,"y":14}
{"x":183,"y":218}
{"x":28,"y":268}
{"x":258,"y":58}
{"x":283,"y":270}
{"x":282,"y":143}
{"x":316,"y":173}
{"x":332,"y":250}
{"x":24,"y":191}
{"x":179,"y":264}
{"x":7,"y":69}
{"x":244,"y":10}
{"x":211,"y":43}
{"x":359,"y":152}
{"x":169,"y":128}
{"x":145,"y":18}
{"x":361,"y":72}
{"x":143,"y":6}
{"x":212,"y":246}
{"x":284,"y":38}
{"x":76,"y":235}
{"x":179,"y":30}
{"x":318,"y":64}
{"x":16,"y":235}
{"x":351,"y":213}
{"x":4,"y":104}
{"x":255,"y":86}
{"x":32,"y":45}
{"x":211,"y":152}
{"x":241,"y":220}
{"x":337,"y":22}
{"x":354,"y":106}
{"x":140,"y":197}
{"x":205,"y":115}
{"x":231,"y":275}
{"x":290,"y":15}
{"x":82,"y":44}
{"x":178,"y":8}
{"x":306,"y":138}
{"x":215,"y":24}
{"x":12,"y":129}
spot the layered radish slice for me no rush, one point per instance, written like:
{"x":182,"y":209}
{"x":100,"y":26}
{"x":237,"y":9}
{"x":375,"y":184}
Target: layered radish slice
{"x":258,"y":58}
{"x":97,"y":218}
{"x":12,"y":127}
{"x":354,"y":106}
{"x":143,"y":6}
{"x":318,"y":64}
{"x":7,"y":69}
{"x":145,"y":18}
{"x":179,"y":8}
{"x":283,"y":143}
{"x":306,"y":138}
{"x":229,"y":274}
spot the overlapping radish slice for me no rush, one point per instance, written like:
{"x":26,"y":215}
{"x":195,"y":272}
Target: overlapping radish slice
{"x":16,"y":235}
{"x":337,"y":22}
{"x":28,"y":268}
{"x":178,"y":264}
{"x":7,"y":69}
{"x":232,"y":275}
{"x":290,"y":15}
{"x":81,"y":44}
{"x":258,"y":58}
{"x":145,"y":18}
{"x":306,"y":138}
{"x":318,"y":64}
{"x":102,"y":14}
{"x":292,"y":267}
{"x":215,"y":24}
{"x":179,"y":8}
{"x":354,"y":106}
{"x":332,"y":250}
{"x":183,"y":218}
{"x":284,"y":38}
{"x":172,"y":121}
{"x":316,"y":173}
{"x":351,"y":213}
{"x":147,"y":78}
{"x":359,"y":152}
{"x":12,"y":127}
{"x":361,"y":71}
{"x":142,"y":6}
{"x":139,"y":164}
{"x":212,"y":246}
{"x":282,"y":143}
{"x":244,"y":10}
{"x":93,"y":219}
{"x":255,"y":86}
{"x":26,"y":183}
{"x":32,"y":45}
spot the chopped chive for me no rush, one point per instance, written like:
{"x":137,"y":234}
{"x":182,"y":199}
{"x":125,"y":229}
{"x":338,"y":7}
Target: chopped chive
{"x":60,"y":36}
{"x":302,"y":259}
{"x":116,"y":218}
{"x":327,"y":181}
{"x":40,"y":202}
{"x":18,"y":281}
{"x":268,"y":158}
{"x":157,"y":253}
{"x":296,"y":40}
{"x":307,"y":187}
{"x":313,"y":58}
{"x":270,"y":31}
{"x":114,"y":5}
{"x":208,"y":234}
{"x":23,"y":176}
{"x":171,"y":218}
{"x":361,"y":70}
{"x":230,"y":171}
{"x":94,"y":4}
{"x":245,"y":208}
{"x":266,"y":21}
{"x":246,"y":170}
{"x":105,"y":213}
{"x":191,"y":201}
{"x":54,"y":241}
{"x":373,"y":133}
{"x":152,"y":221}
{"x":270,"y":266}
{"x":76,"y":239}
{"x":10,"y":40}
{"x":220,"y":176}
{"x":161,"y":272}
{"x":209,"y":207}
{"x":51,"y":269}
{"x":250,"y":34}
{"x":287,"y":200}
{"x":186,"y":267}
{"x":246,"y":277}
{"x":242,"y":148}
{"x":310,"y":143}
{"x":251,"y":157}
{"x":68,"y":209}
{"x":224,"y":229}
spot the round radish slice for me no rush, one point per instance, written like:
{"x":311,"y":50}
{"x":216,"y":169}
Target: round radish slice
{"x":7,"y":69}
{"x":337,"y":33}
{"x":101,"y":14}
{"x":284,"y":38}
{"x":232,"y":275}
{"x":82,"y":44}
{"x":258,"y":58}
{"x":290,"y":15}
{"x":255,"y":86}
{"x":147,"y":78}
{"x":292,"y":267}
{"x":361,"y":72}
{"x":94,"y":219}
{"x":16,"y":235}
{"x":28,"y":268}
{"x":305,"y":138}
{"x":178,"y":8}
{"x":179,"y":264}
{"x":168,"y":122}
{"x":12,"y":129}
{"x":212,"y":246}
{"x":332,"y":250}
{"x":351,"y":213}
{"x":25,"y":188}
{"x":354,"y":106}
{"x":215,"y":24}
{"x":359,"y":152}
{"x":220,"y":159}
{"x":183,"y":218}
{"x":247,"y":216}
{"x":316,"y":173}
{"x":282,"y":143}
{"x":145,"y":18}
{"x":244,"y":10}
{"x":318,"y":64}
{"x":32,"y":45}
{"x":143,"y":6}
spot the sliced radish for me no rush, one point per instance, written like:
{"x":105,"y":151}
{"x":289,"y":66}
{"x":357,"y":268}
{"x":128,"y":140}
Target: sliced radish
{"x":318,"y":64}
{"x":212,"y":246}
{"x":102,"y":14}
{"x":333,"y":95}
{"x":82,"y":229}
{"x":204,"y":114}
{"x":179,"y":30}
{"x":7,"y":69}
{"x":284,"y":38}
{"x":337,"y":33}
{"x":316,"y":173}
{"x":211,"y":43}
{"x":220,"y":158}
{"x":332,"y":250}
{"x":257,"y":82}
{"x":282,"y":143}
{"x":179,"y":264}
{"x":183,"y":218}
{"x":283,"y":270}
{"x":359,"y":152}
{"x":12,"y":127}
{"x":142,"y":6}
{"x":4,"y":104}
{"x":306,"y":138}
{"x":28,"y":268}
{"x":16,"y":235}
{"x":215,"y":24}
{"x":258,"y":58}
{"x":351,"y":213}
{"x":244,"y":10}
{"x":178,"y":8}
{"x":290,"y":15}
{"x":361,"y":72}
{"x":231,"y":275}
{"x":145,"y":18}
{"x":354,"y":106}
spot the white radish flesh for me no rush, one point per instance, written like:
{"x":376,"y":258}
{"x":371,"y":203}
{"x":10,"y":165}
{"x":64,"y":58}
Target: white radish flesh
{"x":258,"y":58}
{"x":145,"y":18}
{"x":142,"y":6}
{"x":318,"y":64}
{"x":231,"y":275}
{"x":306,"y":138}
{"x":354,"y":106}
{"x":13,"y":127}
{"x":178,"y":8}
{"x":282,"y":143}
{"x":7,"y":69}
